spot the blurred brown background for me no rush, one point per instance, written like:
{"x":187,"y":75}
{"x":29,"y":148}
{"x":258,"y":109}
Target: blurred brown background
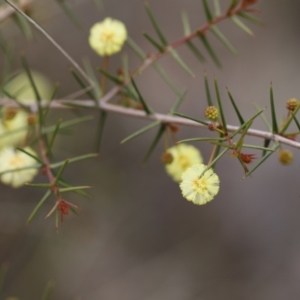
{"x":138,"y":238}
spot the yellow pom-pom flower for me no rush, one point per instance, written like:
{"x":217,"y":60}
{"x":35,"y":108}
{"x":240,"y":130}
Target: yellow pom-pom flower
{"x":107,"y":37}
{"x":13,"y":127}
{"x":199,"y":186}
{"x":11,"y":159}
{"x":285,"y":157}
{"x":211,"y":113}
{"x":184,"y":156}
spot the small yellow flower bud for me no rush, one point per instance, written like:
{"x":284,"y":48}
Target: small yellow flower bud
{"x":167,"y":158}
{"x":292,"y":103}
{"x":285,"y":157}
{"x":211,"y":113}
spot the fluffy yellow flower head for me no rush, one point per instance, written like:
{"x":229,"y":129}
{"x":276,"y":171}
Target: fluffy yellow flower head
{"x":13,"y":127}
{"x":11,"y":159}
{"x":107,"y":37}
{"x":198,"y":186}
{"x":285,"y":157}
{"x":184,"y":156}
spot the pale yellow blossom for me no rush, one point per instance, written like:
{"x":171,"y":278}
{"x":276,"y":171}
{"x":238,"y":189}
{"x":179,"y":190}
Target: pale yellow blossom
{"x":199,"y":185}
{"x":12,"y":159}
{"x":107,"y":37}
{"x":13,"y":127}
{"x":184,"y":156}
{"x":21,"y":88}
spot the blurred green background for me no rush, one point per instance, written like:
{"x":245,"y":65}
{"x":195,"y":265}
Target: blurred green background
{"x":138,"y":238}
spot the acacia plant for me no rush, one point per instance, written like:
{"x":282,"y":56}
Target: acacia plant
{"x":27,"y":140}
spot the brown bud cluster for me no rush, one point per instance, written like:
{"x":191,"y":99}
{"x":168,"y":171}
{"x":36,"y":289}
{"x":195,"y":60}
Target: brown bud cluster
{"x":167,"y":158}
{"x":212,"y":126}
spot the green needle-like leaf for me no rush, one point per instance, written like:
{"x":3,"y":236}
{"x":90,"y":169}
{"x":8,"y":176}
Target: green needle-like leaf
{"x":266,"y":145}
{"x":250,"y":18}
{"x":39,"y":185}
{"x":53,"y":137}
{"x":295,"y":119}
{"x":141,"y":131}
{"x":258,"y":108}
{"x":273,"y":113}
{"x":232,"y":5}
{"x":60,"y":172}
{"x":142,"y":55}
{"x":69,"y":13}
{"x":21,"y":169}
{"x":158,"y":136}
{"x":203,"y":139}
{"x":147,"y":109}
{"x":195,"y":51}
{"x":274,"y":148}
{"x":209,"y":50}
{"x":166,"y":78}
{"x":216,"y":31}
{"x":47,"y":108}
{"x":217,"y":8}
{"x":24,"y":26}
{"x":89,"y":93}
{"x":34,"y":88}
{"x":155,"y":25}
{"x":213,"y":162}
{"x":153,"y":42}
{"x":240,"y":24}
{"x":89,"y":70}
{"x":239,"y":115}
{"x":31,"y":155}
{"x":220,"y":105}
{"x":136,"y":49}
{"x":14,"y":99}
{"x":74,"y":188}
{"x":177,"y":58}
{"x":74,"y":159}
{"x":232,"y":135}
{"x":185,"y":23}
{"x":68,"y":124}
{"x":240,"y":142}
{"x":48,"y":291}
{"x":64,"y":183}
{"x":100,"y":129}
{"x":258,"y":147}
{"x":289,"y":120}
{"x":207,"y":11}
{"x":178,"y":102}
{"x":190,"y":118}
{"x":39,"y":205}
{"x":110,"y":77}
{"x":73,"y":210}
{"x":207,"y":91}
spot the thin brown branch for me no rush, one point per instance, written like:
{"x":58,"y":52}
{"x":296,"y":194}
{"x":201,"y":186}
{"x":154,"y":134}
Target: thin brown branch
{"x":68,"y":104}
